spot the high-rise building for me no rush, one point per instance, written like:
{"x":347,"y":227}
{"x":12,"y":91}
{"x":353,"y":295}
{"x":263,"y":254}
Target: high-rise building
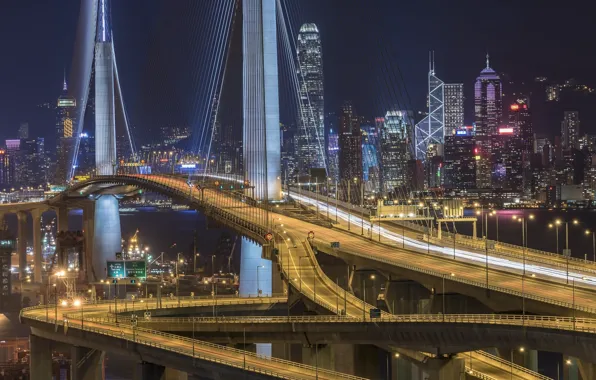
{"x":65,"y":143}
{"x":395,"y":149}
{"x":5,"y":172}
{"x":33,"y":162}
{"x":23,"y":131}
{"x":333,"y":154}
{"x":553,"y":93}
{"x":431,"y":130}
{"x":570,"y":130}
{"x":460,"y":160}
{"x":15,"y":162}
{"x":520,"y":119}
{"x":350,"y":145}
{"x":86,"y":160}
{"x":370,"y":156}
{"x":310,"y":138}
{"x":454,"y":107}
{"x":488,"y":112}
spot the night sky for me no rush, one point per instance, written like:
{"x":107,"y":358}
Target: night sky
{"x":375,"y":54}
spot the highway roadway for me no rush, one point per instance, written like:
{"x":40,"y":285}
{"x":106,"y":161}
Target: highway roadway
{"x":74,"y":318}
{"x":541,"y":282}
{"x":309,"y":278}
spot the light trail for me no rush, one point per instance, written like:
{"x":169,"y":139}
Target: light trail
{"x":449,"y":251}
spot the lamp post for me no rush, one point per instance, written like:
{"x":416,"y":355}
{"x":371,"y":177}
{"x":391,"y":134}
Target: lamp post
{"x":197,"y":255}
{"x":258,"y":288}
{"x":78,"y":303}
{"x":593,"y":244}
{"x":178,"y":260}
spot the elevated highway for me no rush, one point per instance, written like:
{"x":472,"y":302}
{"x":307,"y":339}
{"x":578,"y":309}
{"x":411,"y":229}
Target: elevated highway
{"x":308,"y":279}
{"x":69,"y":325}
{"x":436,"y":334}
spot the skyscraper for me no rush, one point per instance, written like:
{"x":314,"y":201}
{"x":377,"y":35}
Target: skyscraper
{"x":65,"y":142}
{"x":460,"y":161}
{"x":333,"y":154}
{"x":395,"y":149}
{"x":520,"y":119}
{"x":350,"y":145}
{"x":310,"y":138}
{"x":431,"y":130}
{"x":570,"y":130}
{"x":454,"y":107}
{"x":488,"y":112}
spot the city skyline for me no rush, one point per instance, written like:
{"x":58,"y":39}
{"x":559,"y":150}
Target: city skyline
{"x":458,"y":68}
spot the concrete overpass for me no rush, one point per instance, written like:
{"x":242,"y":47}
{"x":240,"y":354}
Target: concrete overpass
{"x":255,"y":222}
{"x":437,"y":334}
{"x":154,"y":350}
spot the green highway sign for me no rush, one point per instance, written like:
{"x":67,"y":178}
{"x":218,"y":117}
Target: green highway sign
{"x":116,"y":269}
{"x":136,"y":269}
{"x":126,"y":269}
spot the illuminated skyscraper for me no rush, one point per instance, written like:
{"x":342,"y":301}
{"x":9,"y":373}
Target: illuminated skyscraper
{"x":454,"y":107}
{"x":395,"y":149}
{"x":520,"y":119}
{"x":488,"y":112}
{"x":65,"y":109}
{"x":570,"y":130}
{"x":431,"y":130}
{"x":350,"y":145}
{"x":310,"y":138}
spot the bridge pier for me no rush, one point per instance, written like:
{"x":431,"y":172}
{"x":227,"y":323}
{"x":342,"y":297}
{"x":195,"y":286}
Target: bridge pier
{"x":22,"y":243}
{"x":150,"y":371}
{"x":107,"y":225}
{"x":86,"y":364}
{"x":88,"y":234}
{"x":445,"y":369}
{"x":368,"y":283}
{"x":40,"y":358}
{"x":36,"y":216}
{"x":407,"y":297}
{"x":62,"y":218}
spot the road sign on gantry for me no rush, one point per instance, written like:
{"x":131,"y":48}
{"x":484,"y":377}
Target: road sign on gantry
{"x":116,"y":269}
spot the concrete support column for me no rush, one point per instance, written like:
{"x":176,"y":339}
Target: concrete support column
{"x":40,"y":360}
{"x":407,"y":297}
{"x":570,"y":368}
{"x":445,"y":369}
{"x":439,"y":231}
{"x":474,"y":232}
{"x":107,"y":226}
{"x":86,"y":364}
{"x":89,"y":236}
{"x":148,"y":371}
{"x":174,"y":374}
{"x":62,"y":218}
{"x":36,"y":216}
{"x":531,"y":360}
{"x":22,"y":243}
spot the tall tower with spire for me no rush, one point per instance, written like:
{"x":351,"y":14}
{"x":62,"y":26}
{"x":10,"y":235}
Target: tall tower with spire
{"x":65,"y":111}
{"x":431,"y":130}
{"x":488,"y":111}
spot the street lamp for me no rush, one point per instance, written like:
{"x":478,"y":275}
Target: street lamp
{"x":588,"y":232}
{"x":258,"y":285}
{"x":78,"y":303}
{"x":181,"y":261}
